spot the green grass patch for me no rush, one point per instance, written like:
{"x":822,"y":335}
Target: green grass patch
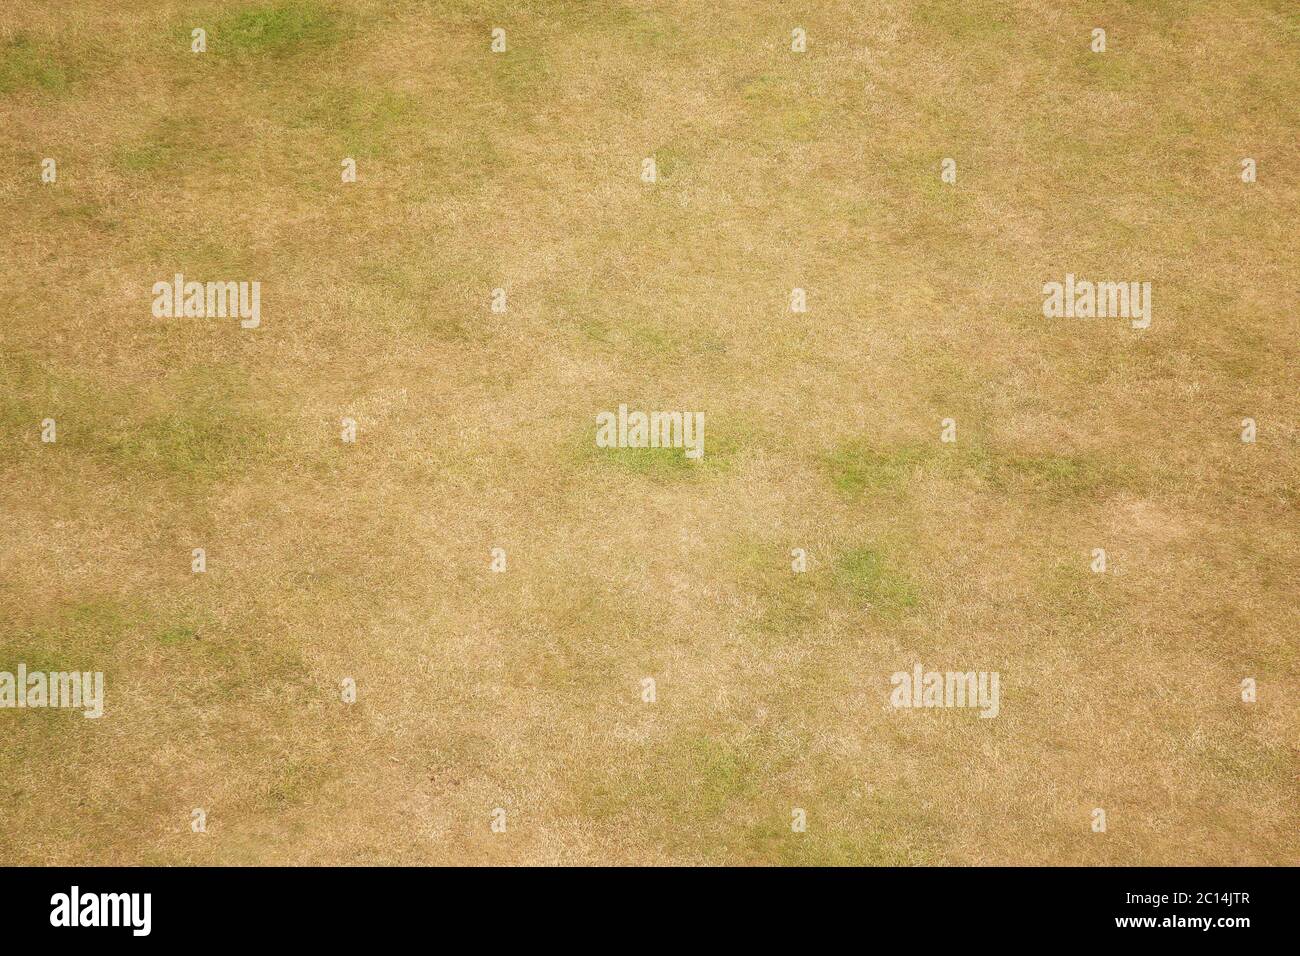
{"x":521,"y":75}
{"x":78,"y":636}
{"x":293,"y":781}
{"x":671,"y":162}
{"x":691,"y":776}
{"x":788,"y":603}
{"x":195,"y":427}
{"x":199,"y":441}
{"x":276,"y":30}
{"x":177,"y":634}
{"x":145,"y":157}
{"x":182,"y":142}
{"x":965,"y":22}
{"x":857,"y":468}
{"x":889,"y":832}
{"x":363,"y":122}
{"x":159,"y":151}
{"x":776,"y":108}
{"x":666,"y":464}
{"x":870,"y":578}
{"x":720,"y":774}
{"x":658,"y":463}
{"x":26,"y":65}
{"x":1078,"y":596}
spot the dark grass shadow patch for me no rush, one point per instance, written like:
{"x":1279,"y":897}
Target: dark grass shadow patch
{"x":787,"y":603}
{"x":1079,"y":597}
{"x":170,"y":143}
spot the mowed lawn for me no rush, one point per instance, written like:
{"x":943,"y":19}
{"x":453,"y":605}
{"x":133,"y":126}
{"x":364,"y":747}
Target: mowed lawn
{"x":522,"y":690}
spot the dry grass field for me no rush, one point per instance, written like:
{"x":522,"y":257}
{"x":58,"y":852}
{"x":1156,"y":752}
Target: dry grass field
{"x":522,"y":690}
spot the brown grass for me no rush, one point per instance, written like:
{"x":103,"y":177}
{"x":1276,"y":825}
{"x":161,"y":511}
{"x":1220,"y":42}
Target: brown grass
{"x":522,"y":690}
